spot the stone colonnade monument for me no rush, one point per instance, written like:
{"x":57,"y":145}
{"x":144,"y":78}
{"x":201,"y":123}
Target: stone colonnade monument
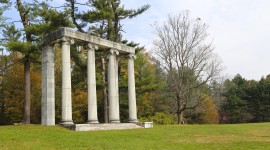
{"x":66,"y":37}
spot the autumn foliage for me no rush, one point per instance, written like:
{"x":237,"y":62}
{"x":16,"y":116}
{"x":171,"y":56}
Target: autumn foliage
{"x":208,"y":111}
{"x":13,"y":92}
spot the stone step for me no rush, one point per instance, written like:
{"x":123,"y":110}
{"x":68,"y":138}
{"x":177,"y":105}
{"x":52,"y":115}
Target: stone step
{"x":104,"y":126}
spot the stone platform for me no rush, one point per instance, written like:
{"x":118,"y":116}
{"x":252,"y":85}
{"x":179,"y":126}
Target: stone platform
{"x":108,"y":126}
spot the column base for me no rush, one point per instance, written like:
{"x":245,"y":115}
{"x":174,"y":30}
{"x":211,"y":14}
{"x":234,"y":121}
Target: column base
{"x":66,"y":122}
{"x":133,"y":121}
{"x":92,"y":122}
{"x":114,"y":121}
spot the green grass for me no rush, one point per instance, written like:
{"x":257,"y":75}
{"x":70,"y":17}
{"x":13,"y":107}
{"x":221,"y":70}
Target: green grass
{"x":237,"y":136}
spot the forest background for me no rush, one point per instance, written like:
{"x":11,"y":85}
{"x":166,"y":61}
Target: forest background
{"x":220,"y":100}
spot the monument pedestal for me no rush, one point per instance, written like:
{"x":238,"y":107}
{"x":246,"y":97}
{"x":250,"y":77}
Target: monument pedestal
{"x":108,"y":126}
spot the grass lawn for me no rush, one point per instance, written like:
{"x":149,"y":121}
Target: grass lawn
{"x":237,"y":136}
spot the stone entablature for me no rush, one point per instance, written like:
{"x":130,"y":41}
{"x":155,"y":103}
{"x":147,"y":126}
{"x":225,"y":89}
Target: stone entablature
{"x":65,"y":37}
{"x":84,"y":37}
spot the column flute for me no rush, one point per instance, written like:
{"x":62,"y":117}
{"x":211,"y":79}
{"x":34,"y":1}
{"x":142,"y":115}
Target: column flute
{"x":113,"y":95}
{"x":91,"y":84}
{"x":131,"y":90}
{"x":48,"y":87}
{"x":66,"y":82}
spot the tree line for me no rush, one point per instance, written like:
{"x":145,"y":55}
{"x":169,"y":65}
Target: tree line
{"x":246,"y":100}
{"x":181,"y":85}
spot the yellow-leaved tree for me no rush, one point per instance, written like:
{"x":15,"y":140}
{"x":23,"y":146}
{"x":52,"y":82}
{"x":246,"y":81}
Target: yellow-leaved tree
{"x":208,"y":111}
{"x":13,"y":82}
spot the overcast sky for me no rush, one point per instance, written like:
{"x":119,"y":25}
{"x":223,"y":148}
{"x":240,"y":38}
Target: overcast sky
{"x":240,"y":30}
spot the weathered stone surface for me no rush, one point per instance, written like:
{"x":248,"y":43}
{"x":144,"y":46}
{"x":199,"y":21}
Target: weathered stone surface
{"x":104,"y":126}
{"x":109,"y":126}
{"x":91,"y":84}
{"x":79,"y":36}
{"x":66,"y":37}
{"x":131,"y":90}
{"x":48,"y":89}
{"x":113,"y":94}
{"x":66,"y":83}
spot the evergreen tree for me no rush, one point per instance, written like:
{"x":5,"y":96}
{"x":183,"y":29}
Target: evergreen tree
{"x":258,"y":96}
{"x":247,"y":100}
{"x":236,"y":105}
{"x":37,"y":20}
{"x":4,"y":5}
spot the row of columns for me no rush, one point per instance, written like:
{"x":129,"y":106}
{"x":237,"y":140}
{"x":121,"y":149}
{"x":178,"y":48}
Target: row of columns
{"x":48,"y":116}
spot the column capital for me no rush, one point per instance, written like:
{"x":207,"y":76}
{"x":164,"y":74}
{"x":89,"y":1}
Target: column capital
{"x":131,"y":56}
{"x":113,"y":51}
{"x":66,"y":40}
{"x":91,"y":47}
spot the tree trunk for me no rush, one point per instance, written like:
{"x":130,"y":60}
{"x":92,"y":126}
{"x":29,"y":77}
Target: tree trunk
{"x":110,"y":31}
{"x":3,"y":65}
{"x":105,"y":95}
{"x":178,"y":118}
{"x":182,"y":118}
{"x":24,"y":18}
{"x":179,"y":111}
{"x":27,"y":102}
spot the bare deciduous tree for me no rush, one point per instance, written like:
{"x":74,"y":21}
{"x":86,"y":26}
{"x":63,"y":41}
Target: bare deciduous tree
{"x":188,"y":59}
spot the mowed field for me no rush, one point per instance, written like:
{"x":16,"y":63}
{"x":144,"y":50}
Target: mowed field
{"x":236,"y":136}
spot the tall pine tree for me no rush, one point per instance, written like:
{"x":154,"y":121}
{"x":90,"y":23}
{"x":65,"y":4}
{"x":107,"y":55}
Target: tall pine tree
{"x":37,"y":20}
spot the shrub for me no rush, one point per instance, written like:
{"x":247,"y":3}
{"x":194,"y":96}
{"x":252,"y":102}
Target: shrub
{"x":160,"y":118}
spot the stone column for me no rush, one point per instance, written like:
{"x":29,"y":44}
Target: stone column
{"x":66,"y":83}
{"x":91,"y":84}
{"x":131,"y":90}
{"x":48,"y":87}
{"x":113,"y":87}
